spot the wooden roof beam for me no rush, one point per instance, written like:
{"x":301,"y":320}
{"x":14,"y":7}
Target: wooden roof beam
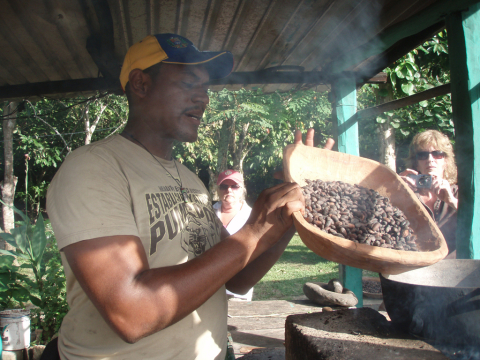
{"x":272,"y":76}
{"x":396,"y":104}
{"x":406,"y":101}
{"x":100,"y":45}
{"x":113,"y":85}
{"x":10,"y":92}
{"x":374,"y":65}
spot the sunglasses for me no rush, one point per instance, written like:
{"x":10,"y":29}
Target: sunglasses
{"x":225,"y":187}
{"x":423,"y":155}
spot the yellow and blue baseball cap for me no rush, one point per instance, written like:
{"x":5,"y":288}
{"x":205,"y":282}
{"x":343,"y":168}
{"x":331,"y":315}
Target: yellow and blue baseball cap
{"x":174,"y":49}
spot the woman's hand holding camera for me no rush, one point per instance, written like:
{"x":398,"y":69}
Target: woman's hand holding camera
{"x":410,"y":181}
{"x":443,"y":190}
{"x":440,"y":187}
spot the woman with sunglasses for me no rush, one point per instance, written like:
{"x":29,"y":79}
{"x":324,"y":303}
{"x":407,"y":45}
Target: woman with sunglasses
{"x":431,"y":153}
{"x":232,"y":210}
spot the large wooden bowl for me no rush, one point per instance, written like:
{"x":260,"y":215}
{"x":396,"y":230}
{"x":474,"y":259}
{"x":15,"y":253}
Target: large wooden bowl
{"x":302,"y":162}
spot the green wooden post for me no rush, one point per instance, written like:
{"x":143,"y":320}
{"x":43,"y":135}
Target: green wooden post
{"x":464,"y":49}
{"x":345,"y":108}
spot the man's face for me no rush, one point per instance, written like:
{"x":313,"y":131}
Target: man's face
{"x":177,"y":99}
{"x":230,"y":192}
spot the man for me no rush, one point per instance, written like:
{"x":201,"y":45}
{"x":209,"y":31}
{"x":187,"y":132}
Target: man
{"x":145,"y":257}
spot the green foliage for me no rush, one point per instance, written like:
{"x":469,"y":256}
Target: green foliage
{"x":47,"y":291}
{"x":296,"y":266}
{"x":30,"y":241}
{"x":54,"y":306}
{"x":49,"y":129}
{"x":255,"y":127}
{"x":14,"y":286}
{"x":421,"y":69}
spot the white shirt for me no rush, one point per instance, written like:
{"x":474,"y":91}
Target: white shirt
{"x":233,"y":226}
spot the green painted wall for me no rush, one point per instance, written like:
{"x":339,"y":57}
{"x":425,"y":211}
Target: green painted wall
{"x":464,"y":49}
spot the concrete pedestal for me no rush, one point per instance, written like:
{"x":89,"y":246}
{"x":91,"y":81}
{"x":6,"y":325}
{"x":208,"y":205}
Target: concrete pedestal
{"x":355,"y":334}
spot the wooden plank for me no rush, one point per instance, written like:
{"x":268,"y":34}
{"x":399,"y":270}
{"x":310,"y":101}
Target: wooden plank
{"x":362,"y":22}
{"x":219,"y":23}
{"x":322,"y":24}
{"x":68,"y":28}
{"x":415,"y":24}
{"x":409,"y":100}
{"x":463,"y":33}
{"x":208,"y":27}
{"x":287,"y":76}
{"x":112,"y":84}
{"x":345,"y":107}
{"x":20,"y":43}
{"x":377,"y":63}
{"x":101,"y":44}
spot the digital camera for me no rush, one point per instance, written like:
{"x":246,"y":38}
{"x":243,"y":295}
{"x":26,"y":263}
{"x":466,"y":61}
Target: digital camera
{"x":422,"y":181}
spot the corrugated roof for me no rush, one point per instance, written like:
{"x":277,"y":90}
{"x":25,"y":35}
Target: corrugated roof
{"x":55,"y":46}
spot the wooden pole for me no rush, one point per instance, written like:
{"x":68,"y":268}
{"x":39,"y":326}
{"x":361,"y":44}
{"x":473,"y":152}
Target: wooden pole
{"x":345,"y":108}
{"x":464,"y":49}
{"x":406,"y":101}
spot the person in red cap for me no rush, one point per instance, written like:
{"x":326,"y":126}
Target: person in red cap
{"x":146,"y":259}
{"x":232,"y":210}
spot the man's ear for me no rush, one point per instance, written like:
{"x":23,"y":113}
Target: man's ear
{"x":138,"y":82}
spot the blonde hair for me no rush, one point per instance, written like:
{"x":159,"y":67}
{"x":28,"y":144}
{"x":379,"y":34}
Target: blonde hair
{"x":440,"y":142}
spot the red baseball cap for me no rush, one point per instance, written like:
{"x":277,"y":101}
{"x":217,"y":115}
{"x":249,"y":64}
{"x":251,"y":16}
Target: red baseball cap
{"x":230,"y":175}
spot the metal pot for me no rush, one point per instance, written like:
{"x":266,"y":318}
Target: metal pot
{"x":440,"y":302}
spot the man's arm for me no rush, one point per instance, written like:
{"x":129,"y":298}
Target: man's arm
{"x":255,"y":271}
{"x":136,"y":300}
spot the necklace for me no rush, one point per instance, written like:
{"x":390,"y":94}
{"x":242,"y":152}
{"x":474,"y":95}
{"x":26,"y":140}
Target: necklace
{"x":183,"y":191}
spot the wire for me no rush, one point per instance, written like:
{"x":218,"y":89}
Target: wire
{"x":13,"y":112}
{"x":58,"y":111}
{"x":74,"y":133}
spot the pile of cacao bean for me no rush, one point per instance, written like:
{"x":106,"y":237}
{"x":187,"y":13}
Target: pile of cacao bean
{"x":356,"y":213}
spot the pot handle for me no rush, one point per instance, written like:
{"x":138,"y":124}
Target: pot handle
{"x":2,"y":333}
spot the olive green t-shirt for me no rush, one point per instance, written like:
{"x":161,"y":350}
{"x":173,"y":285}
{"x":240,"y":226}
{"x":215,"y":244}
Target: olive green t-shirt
{"x":115,"y":187}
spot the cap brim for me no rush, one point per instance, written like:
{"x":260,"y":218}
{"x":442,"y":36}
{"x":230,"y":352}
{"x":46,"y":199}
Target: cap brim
{"x":234,"y":180}
{"x":218,"y":64}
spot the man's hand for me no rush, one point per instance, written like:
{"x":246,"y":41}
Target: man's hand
{"x":309,"y":139}
{"x":267,"y":233}
{"x":308,"y":142}
{"x":271,"y":224}
{"x":272,"y":212}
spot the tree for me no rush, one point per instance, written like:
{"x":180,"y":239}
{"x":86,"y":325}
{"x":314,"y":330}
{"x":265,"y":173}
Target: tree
{"x":385,"y":130}
{"x":48,"y":130}
{"x":247,"y":130}
{"x":9,"y":179}
{"x":421,"y":69}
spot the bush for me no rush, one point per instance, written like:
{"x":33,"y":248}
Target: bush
{"x":48,"y":317}
{"x":44,"y":284}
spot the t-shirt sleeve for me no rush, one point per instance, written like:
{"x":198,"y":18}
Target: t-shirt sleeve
{"x":89,"y":198}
